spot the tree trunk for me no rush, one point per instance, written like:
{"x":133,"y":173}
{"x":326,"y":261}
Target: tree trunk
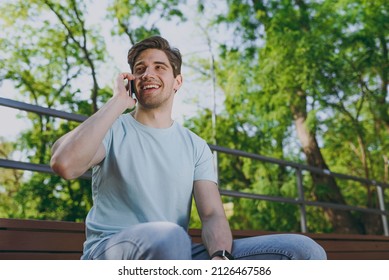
{"x":325,"y":187}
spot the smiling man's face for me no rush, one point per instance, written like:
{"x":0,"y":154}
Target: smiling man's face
{"x":155,"y":83}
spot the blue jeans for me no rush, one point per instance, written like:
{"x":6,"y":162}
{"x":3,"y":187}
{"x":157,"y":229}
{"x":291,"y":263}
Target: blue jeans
{"x":168,"y":241}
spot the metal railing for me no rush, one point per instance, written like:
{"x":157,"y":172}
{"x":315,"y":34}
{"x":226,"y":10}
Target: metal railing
{"x":299,"y":168}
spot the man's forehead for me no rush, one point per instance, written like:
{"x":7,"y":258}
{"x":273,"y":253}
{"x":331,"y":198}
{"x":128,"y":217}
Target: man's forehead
{"x":153,"y":56}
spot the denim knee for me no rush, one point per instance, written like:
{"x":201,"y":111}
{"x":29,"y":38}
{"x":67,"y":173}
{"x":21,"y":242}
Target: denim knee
{"x":147,"y":241}
{"x":308,"y":249}
{"x":278,"y":247}
{"x":169,"y":242}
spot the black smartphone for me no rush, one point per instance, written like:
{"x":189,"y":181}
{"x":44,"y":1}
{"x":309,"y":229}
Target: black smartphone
{"x":132,"y":89}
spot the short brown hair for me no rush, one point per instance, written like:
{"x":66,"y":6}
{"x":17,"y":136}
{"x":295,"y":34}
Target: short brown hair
{"x":156,"y":42}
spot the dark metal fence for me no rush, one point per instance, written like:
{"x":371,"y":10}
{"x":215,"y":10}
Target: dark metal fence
{"x":299,"y":169}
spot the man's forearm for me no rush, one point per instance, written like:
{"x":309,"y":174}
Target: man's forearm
{"x":216,"y":235}
{"x":73,"y":153}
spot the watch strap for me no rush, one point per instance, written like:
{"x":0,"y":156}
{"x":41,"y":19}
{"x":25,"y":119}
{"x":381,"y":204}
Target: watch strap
{"x":223,"y":254}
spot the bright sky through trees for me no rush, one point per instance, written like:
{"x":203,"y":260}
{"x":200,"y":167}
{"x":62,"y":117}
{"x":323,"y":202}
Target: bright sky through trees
{"x":187,"y":36}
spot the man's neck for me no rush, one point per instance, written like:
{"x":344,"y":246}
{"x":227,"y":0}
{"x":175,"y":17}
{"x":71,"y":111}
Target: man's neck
{"x":153,"y":118}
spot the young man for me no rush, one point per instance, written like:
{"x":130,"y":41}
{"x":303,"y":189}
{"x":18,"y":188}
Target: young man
{"x":146,"y":168}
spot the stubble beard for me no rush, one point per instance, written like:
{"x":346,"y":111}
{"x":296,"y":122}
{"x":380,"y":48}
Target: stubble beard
{"x":153,"y":101}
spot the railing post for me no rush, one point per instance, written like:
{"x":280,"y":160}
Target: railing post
{"x":300,"y":189}
{"x":381,"y":202}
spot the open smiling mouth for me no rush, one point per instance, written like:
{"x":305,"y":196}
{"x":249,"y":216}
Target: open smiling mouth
{"x":146,"y":87}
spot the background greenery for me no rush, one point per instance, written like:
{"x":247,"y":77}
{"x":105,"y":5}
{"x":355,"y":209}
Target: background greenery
{"x":305,"y":81}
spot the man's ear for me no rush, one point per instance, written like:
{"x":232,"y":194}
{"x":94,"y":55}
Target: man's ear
{"x":178,"y":82}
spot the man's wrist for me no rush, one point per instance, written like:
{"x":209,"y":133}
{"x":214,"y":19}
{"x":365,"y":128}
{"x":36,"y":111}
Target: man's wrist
{"x":222,"y":255}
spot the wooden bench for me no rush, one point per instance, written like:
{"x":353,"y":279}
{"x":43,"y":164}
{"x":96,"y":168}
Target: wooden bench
{"x":40,"y":240}
{"x":53,"y":240}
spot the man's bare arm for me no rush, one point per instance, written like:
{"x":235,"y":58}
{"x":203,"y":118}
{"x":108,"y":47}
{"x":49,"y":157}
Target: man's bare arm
{"x":75,"y":152}
{"x":216,"y":232}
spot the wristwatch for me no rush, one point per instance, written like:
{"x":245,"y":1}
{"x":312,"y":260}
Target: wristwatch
{"x":224,"y":254}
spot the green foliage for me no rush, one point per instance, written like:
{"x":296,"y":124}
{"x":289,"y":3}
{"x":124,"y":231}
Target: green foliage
{"x":53,"y":57}
{"x":139,"y":19}
{"x":321,"y":61}
{"x":9,"y":182}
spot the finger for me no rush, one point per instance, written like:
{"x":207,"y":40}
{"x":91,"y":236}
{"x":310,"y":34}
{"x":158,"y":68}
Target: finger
{"x":127,"y":76}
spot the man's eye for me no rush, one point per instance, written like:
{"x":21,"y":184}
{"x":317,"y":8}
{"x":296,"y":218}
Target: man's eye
{"x":138,"y":70}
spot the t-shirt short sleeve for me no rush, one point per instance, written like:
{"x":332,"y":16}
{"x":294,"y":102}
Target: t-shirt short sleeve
{"x":205,"y":166}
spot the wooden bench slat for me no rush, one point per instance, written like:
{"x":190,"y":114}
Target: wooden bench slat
{"x":39,"y":256}
{"x":354,"y":246}
{"x":347,"y":237}
{"x":41,"y":225}
{"x":358,"y":256}
{"x":11,"y":240}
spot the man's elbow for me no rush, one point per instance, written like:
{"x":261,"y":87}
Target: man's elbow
{"x":63,"y":168}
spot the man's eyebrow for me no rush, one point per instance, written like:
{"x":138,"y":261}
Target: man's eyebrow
{"x":154,"y":62}
{"x":162,"y":63}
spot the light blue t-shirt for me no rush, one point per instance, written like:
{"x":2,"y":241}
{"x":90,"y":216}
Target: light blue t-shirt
{"x":147,"y":175}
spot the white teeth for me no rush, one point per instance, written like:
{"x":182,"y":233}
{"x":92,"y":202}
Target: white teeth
{"x":150,"y":86}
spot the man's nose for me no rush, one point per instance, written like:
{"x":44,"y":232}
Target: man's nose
{"x":147,"y":73}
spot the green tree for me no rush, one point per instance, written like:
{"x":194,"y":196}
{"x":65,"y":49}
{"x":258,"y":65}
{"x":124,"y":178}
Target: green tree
{"x":47,"y":48}
{"x":358,"y":96}
{"x":138,"y":20}
{"x":296,"y":73}
{"x":55,"y":58}
{"x":9,"y":183}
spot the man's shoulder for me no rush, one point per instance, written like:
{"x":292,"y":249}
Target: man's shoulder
{"x":190,"y":134}
{"x":194,"y":141}
{"x":122,"y":123}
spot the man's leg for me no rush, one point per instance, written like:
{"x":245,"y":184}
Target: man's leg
{"x":147,"y":241}
{"x":270,"y":247}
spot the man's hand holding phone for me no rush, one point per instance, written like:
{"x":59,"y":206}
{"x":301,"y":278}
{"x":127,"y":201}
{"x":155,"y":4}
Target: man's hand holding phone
{"x":125,"y":88}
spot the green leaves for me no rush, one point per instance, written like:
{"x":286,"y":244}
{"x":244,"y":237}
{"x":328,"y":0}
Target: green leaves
{"x":319,"y":67}
{"x":53,"y":52}
{"x":139,"y":19}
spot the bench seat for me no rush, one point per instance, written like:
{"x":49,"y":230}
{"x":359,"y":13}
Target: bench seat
{"x":57,"y":240}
